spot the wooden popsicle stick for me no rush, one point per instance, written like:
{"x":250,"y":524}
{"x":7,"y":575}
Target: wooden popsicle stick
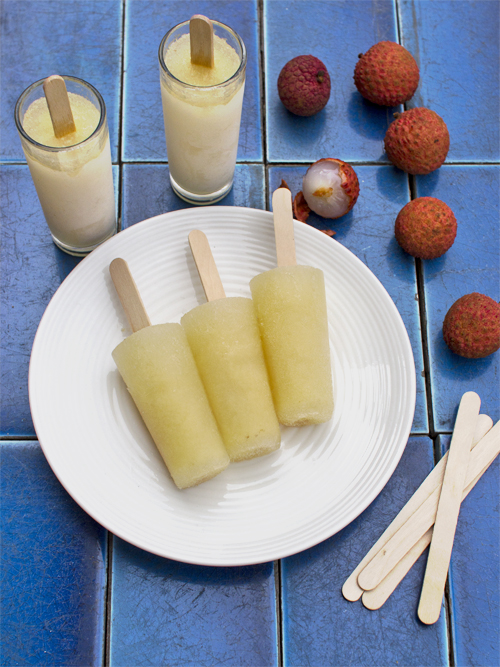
{"x":129,"y":294}
{"x":59,"y":106}
{"x":402,"y":541}
{"x":482,"y":456}
{"x":448,"y":510}
{"x":351,"y":589}
{"x":201,"y":37}
{"x":205,"y":263}
{"x":283,"y":227}
{"x":375,"y":598}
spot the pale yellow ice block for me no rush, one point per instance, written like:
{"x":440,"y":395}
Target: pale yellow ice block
{"x":161,"y":376}
{"x":38,"y":124}
{"x":178,"y":61}
{"x":225,"y":340}
{"x":290,"y":303}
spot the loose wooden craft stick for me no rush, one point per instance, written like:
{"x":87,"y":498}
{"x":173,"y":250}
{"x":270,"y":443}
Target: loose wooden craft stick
{"x":129,"y":294}
{"x":351,"y":590}
{"x":448,"y":510}
{"x":205,"y":263}
{"x":417,"y":524}
{"x":283,"y":227}
{"x":201,"y":36}
{"x":485,"y":453}
{"x":59,"y":106}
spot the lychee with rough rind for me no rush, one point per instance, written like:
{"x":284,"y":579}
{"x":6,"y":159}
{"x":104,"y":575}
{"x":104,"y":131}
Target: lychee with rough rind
{"x":471,"y":327}
{"x":304,"y":85}
{"x":426,"y":228}
{"x":417,"y":141}
{"x":387,"y":74}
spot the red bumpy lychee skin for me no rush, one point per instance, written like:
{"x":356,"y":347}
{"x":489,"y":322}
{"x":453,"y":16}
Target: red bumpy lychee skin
{"x":387,"y":74}
{"x":426,"y":227}
{"x":471,"y":327}
{"x":350,"y":183}
{"x":304,"y":85}
{"x":417,"y":141}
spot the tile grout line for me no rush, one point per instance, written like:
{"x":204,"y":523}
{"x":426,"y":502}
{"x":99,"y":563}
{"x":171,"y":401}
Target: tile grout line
{"x":277,"y":564}
{"x":356,"y":163}
{"x":278,"y":583}
{"x":110,"y":542}
{"x":107,"y":600}
{"x":260,"y":10}
{"x":419,"y":268}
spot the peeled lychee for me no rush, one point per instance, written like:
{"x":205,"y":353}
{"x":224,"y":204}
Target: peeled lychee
{"x":417,"y":141}
{"x":426,"y":227}
{"x":304,"y":85}
{"x":387,"y":74}
{"x":471,"y":327}
{"x":330,"y":188}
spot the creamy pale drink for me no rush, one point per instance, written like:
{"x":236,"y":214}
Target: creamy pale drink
{"x":202,"y":112}
{"x":72,"y":174}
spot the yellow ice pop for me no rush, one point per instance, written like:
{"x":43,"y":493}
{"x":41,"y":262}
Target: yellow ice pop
{"x":158,"y":368}
{"x":224,"y":337}
{"x":290,"y":303}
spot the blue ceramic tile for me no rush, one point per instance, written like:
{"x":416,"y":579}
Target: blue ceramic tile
{"x":322,"y":628}
{"x":460,"y":84}
{"x":348,"y":127}
{"x":147,"y":191}
{"x":146,"y":23}
{"x":43,"y":37}
{"x":31,"y":269}
{"x":475,"y":573}
{"x":53,"y":567}
{"x":471,"y":265}
{"x":169,"y":613}
{"x":368,"y":231}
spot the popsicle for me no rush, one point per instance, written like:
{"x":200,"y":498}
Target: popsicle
{"x":290,"y":303}
{"x":158,"y":368}
{"x":224,"y":337}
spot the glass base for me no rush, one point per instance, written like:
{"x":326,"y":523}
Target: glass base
{"x":81,"y":252}
{"x":200,"y":200}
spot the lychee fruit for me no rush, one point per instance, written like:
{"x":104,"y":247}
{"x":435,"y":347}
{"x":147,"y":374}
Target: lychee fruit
{"x":387,"y":74}
{"x":426,"y":227}
{"x":417,"y":141}
{"x":471,"y":327}
{"x":330,"y":188}
{"x":304,"y":85}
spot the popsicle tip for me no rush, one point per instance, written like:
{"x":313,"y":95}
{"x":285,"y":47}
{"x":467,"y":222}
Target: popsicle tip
{"x":471,"y":396}
{"x":351,"y":591}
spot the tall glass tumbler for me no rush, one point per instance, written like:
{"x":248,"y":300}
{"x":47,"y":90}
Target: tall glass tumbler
{"x":202,"y":122}
{"x":73,"y":176}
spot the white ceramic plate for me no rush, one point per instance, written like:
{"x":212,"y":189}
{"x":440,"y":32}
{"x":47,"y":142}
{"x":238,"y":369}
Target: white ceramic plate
{"x":322,"y":478}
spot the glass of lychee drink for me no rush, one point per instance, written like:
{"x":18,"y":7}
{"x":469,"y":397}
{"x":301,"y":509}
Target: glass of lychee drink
{"x":72,"y":173}
{"x":202,"y":112}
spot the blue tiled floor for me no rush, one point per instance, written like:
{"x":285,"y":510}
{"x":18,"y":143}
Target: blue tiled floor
{"x":66,"y":600}
{"x":165,"y":611}
{"x":53,"y":567}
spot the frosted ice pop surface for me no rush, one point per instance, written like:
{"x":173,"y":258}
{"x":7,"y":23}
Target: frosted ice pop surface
{"x":290,"y":304}
{"x":225,"y":340}
{"x":158,"y":368}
